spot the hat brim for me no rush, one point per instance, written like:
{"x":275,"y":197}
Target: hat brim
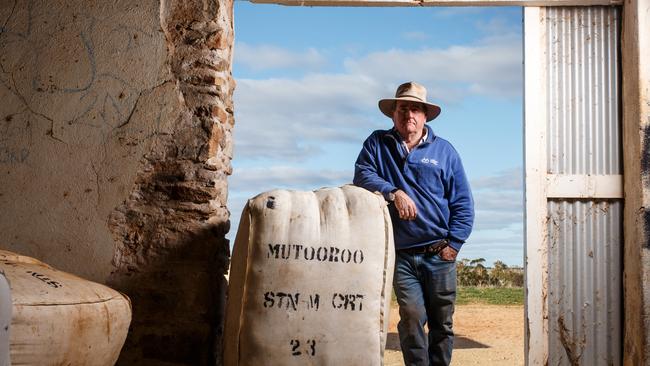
{"x":386,"y":107}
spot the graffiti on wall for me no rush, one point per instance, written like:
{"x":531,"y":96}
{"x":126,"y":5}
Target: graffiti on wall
{"x":73,"y":69}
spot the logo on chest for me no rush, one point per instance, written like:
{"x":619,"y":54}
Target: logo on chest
{"x":429,"y":161}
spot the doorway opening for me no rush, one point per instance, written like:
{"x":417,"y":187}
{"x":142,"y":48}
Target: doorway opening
{"x":306,"y":99}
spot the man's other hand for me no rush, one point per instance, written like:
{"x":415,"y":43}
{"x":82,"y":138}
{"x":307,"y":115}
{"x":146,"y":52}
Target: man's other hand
{"x":405,"y":206}
{"x":448,"y":253}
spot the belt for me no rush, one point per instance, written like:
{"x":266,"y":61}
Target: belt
{"x":431,"y":249}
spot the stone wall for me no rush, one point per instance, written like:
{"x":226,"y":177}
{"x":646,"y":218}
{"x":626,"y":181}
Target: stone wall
{"x":115,"y":146}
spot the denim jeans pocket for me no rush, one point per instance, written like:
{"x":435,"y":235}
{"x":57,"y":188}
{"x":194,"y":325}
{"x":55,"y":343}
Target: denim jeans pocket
{"x":442,"y":273}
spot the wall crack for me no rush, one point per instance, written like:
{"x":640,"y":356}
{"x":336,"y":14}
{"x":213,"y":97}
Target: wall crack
{"x":137,"y":100}
{"x":4,"y":25}
{"x":50,"y":130}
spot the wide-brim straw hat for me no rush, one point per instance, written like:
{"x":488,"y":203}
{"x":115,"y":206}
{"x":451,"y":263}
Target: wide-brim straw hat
{"x":413,"y":92}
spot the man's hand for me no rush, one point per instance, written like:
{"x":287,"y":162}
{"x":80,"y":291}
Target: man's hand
{"x":448,"y":253}
{"x":405,"y":206}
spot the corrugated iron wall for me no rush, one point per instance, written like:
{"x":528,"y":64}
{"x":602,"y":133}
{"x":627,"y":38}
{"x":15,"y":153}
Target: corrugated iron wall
{"x":584,"y":138}
{"x":584,"y":133}
{"x":585,"y":283}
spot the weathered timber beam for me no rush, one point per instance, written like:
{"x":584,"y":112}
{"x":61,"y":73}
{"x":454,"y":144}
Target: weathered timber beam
{"x":407,"y":3}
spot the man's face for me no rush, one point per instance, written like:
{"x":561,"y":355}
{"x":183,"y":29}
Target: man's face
{"x":408,"y":117}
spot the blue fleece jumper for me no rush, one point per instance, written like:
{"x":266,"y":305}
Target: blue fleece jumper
{"x":431,"y":174}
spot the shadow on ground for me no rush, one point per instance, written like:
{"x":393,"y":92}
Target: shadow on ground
{"x":392,"y":343}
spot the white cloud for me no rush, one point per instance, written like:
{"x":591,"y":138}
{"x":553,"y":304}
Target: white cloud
{"x":498,"y":26}
{"x":267,"y":57}
{"x":492,"y":69}
{"x":500,"y":192}
{"x":504,"y":244}
{"x":415,"y":36}
{"x":286,"y":177}
{"x":312,"y":93}
{"x":498,"y":200}
{"x":497,"y":205}
{"x":497,"y":220}
{"x":511,"y":179}
{"x":512,"y":255}
{"x":236,"y":203}
{"x":292,"y":120}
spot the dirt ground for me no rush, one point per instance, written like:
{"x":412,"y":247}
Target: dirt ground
{"x":485,"y":335}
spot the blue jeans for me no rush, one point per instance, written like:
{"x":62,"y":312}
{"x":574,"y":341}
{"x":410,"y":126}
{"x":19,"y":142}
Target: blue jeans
{"x":425,"y":286}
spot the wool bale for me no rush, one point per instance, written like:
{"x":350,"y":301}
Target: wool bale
{"x":5,"y":319}
{"x":310,"y":279}
{"x":61,"y":319}
{"x":7,"y":256}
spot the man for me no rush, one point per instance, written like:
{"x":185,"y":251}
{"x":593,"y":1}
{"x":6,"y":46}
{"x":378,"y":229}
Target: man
{"x":432,"y":211}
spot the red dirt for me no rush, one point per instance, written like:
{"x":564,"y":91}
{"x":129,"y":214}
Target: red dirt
{"x":485,"y":335}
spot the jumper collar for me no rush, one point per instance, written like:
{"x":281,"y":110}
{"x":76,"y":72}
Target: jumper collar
{"x":422,"y":140}
{"x":404,"y":150}
{"x":428,"y":135}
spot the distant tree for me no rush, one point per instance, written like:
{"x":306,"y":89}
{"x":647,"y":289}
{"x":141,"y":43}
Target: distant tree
{"x":472,"y":272}
{"x":476,"y":262}
{"x":499,"y":274}
{"x":464,"y":273}
{"x":481,"y":275}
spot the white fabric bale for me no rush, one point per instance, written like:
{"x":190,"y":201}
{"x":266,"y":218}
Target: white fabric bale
{"x":61,"y":319}
{"x":310,"y":279}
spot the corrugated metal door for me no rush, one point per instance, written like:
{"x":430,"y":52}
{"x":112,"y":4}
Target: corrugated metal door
{"x":574,"y":197}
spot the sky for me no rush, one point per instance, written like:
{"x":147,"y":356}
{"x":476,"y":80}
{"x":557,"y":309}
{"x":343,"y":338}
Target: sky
{"x":308,"y":82}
